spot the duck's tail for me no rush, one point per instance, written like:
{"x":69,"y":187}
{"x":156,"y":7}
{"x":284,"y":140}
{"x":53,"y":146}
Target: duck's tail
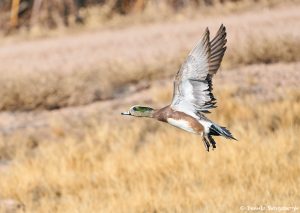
{"x":215,"y":130}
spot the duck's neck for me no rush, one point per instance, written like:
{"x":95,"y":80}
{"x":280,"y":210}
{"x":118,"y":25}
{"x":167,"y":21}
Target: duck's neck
{"x":149,"y":114}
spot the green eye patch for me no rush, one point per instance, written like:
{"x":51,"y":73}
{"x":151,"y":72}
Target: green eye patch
{"x":142,"y":109}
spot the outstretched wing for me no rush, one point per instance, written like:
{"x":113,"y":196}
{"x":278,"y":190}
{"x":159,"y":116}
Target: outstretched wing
{"x":193,"y":82}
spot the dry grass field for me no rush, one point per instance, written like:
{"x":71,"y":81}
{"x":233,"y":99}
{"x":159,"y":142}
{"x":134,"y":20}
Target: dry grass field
{"x":64,"y":146}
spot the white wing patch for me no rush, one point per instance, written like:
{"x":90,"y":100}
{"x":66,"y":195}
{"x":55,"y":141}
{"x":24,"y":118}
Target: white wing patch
{"x":182,"y":124}
{"x":193,"y":82}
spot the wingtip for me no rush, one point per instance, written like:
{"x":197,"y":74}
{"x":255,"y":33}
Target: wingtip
{"x":222,"y":29}
{"x":206,"y":32}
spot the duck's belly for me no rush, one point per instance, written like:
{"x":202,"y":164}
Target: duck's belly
{"x":182,"y":124}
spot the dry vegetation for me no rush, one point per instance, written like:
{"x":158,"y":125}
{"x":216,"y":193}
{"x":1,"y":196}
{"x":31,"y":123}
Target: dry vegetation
{"x":118,"y":165}
{"x":85,"y":157}
{"x":77,"y":71}
{"x":25,"y":15}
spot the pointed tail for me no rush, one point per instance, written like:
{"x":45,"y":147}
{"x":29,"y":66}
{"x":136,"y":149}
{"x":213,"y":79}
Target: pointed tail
{"x":216,"y":130}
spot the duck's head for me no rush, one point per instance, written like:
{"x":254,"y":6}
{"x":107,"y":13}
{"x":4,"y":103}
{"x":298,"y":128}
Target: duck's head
{"x":139,"y":111}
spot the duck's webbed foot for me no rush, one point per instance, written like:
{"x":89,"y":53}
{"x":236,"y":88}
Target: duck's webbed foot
{"x":209,"y":141}
{"x":206,"y":143}
{"x":212,"y":141}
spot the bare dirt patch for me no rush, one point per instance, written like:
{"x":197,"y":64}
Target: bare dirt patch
{"x":81,"y":69}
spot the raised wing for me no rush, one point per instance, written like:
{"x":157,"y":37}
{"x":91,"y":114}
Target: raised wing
{"x":193,"y":82}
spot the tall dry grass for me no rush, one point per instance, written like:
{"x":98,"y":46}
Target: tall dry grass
{"x":85,"y":157}
{"x":140,"y":165}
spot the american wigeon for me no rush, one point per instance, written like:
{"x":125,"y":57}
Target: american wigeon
{"x":192,"y":94}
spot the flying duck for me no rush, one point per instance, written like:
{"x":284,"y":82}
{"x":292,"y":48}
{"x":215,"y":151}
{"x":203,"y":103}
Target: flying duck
{"x":192,"y":95}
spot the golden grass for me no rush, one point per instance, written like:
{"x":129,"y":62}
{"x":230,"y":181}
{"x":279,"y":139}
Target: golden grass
{"x":267,"y":49}
{"x":87,"y":158}
{"x":140,"y":165}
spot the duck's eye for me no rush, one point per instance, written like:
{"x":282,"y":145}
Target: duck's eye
{"x":134,"y":108}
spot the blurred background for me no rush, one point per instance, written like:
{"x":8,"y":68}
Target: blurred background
{"x":69,"y":67}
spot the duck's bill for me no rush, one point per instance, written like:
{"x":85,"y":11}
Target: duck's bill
{"x":125,"y":113}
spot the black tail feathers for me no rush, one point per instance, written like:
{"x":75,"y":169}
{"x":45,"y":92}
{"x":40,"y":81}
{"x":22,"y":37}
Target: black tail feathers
{"x":220,"y":131}
{"x":215,"y":130}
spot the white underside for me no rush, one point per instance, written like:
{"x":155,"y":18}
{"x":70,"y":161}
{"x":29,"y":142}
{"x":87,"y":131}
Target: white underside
{"x":182,"y":124}
{"x":206,"y":125}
